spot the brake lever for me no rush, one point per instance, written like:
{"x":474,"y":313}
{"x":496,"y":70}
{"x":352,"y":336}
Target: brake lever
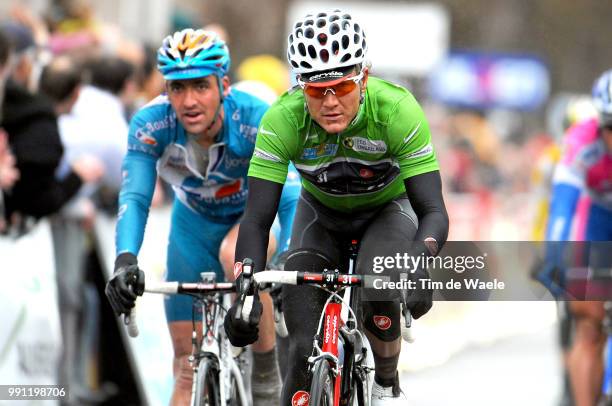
{"x":246,"y":284}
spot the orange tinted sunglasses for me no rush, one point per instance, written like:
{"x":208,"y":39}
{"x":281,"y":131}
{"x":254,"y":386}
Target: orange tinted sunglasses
{"x":342,"y":88}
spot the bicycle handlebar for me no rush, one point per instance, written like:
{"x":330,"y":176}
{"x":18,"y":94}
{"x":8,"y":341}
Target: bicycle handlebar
{"x":176,"y":288}
{"x":308,"y":278}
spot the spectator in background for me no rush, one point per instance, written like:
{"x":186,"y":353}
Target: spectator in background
{"x":23,"y":56}
{"x":60,"y":81}
{"x":98,"y":121}
{"x":150,"y":82}
{"x":33,"y":136}
{"x":8,"y":173}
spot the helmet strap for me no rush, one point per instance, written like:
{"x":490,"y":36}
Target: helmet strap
{"x":218,"y":111}
{"x":361,"y":93}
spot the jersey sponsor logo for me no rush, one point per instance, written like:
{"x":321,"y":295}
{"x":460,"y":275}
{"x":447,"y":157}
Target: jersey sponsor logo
{"x":320,"y":151}
{"x":228,"y":190}
{"x":326,"y":75}
{"x":426,"y":150}
{"x":300,"y":398}
{"x":266,"y":155}
{"x":234,"y":162}
{"x":237,"y":269}
{"x":348,"y":143}
{"x":322,"y":177}
{"x":145,"y":137}
{"x":248,"y":131}
{"x":162,"y":124}
{"x":140,"y":147}
{"x":361,"y":144}
{"x":382,"y":322}
{"x":366,"y":173}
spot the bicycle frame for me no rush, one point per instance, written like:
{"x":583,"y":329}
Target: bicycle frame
{"x":214,"y":344}
{"x":337,"y":314}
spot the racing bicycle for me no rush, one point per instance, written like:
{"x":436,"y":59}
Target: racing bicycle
{"x":341,"y":364}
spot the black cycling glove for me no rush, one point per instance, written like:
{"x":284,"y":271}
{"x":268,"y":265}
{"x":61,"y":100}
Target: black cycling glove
{"x":242,"y":319}
{"x":420,"y":299}
{"x":125,"y":285}
{"x":243,"y":329}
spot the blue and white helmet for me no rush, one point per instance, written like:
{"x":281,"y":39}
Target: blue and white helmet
{"x":602,"y":97}
{"x":190,"y":54}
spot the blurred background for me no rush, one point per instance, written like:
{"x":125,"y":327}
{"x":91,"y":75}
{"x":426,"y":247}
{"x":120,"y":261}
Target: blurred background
{"x":500,"y":81}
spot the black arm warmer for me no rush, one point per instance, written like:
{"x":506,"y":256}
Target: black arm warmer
{"x":425,"y":194}
{"x":262,"y":203}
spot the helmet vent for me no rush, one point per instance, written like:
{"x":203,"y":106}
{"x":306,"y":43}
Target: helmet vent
{"x":334,"y":29}
{"x":302,"y":49}
{"x":321,"y":23}
{"x":345,"y":41}
{"x":335,"y":47}
{"x":309,"y":33}
{"x":322,"y":39}
{"x":312,"y":51}
{"x":324,"y":55}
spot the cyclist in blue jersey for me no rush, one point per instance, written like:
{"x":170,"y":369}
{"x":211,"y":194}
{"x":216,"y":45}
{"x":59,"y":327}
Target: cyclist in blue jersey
{"x":199,"y":137}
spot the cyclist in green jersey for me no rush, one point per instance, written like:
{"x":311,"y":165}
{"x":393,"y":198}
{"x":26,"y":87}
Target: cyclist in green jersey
{"x":369,"y":172}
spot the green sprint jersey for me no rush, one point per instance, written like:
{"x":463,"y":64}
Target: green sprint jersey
{"x":361,"y":168}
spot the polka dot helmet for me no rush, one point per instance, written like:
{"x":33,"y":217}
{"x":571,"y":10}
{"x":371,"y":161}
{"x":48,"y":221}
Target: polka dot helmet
{"x":324,"y":41}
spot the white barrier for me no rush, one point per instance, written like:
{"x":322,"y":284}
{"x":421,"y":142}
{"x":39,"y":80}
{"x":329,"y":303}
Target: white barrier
{"x":30,"y":337}
{"x":151,"y":351}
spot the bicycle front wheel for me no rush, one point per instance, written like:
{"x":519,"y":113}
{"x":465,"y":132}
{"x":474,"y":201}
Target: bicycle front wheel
{"x":207,"y":384}
{"x":322,"y":386}
{"x":237,"y":394}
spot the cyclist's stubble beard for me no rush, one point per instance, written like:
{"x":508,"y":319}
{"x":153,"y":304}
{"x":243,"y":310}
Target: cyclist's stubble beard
{"x":206,"y":128}
{"x":334,"y":114}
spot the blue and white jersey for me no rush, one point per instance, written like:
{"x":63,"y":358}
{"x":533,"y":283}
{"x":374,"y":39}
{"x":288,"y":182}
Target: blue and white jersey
{"x":158,"y":144}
